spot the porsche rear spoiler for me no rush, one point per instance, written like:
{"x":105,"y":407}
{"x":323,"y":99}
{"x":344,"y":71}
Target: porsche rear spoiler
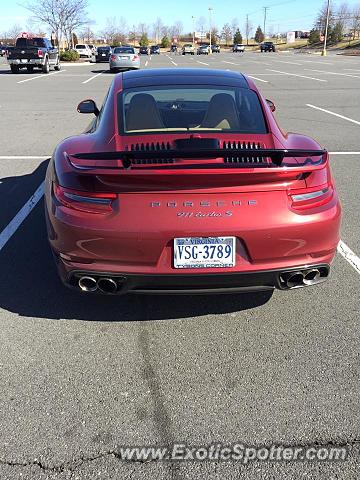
{"x":129,"y":158}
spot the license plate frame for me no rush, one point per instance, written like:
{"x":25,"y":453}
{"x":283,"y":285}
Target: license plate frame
{"x":197,"y":256}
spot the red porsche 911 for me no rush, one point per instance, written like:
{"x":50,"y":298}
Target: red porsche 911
{"x":185,"y":183}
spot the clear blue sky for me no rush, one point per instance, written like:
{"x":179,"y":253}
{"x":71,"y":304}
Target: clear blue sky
{"x":282,"y":15}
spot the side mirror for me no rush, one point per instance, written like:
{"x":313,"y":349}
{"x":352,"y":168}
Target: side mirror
{"x":88,"y":106}
{"x":271,"y":105}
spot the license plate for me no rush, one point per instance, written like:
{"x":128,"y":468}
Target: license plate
{"x":124,"y":58}
{"x":204,"y":252}
{"x":23,"y":60}
{"x":104,"y":54}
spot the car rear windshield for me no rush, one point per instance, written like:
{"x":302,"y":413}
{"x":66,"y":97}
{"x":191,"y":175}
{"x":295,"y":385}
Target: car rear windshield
{"x":80,"y":46}
{"x":103,"y":49}
{"x":124,"y":50}
{"x":190,"y":108}
{"x":30,"y":42}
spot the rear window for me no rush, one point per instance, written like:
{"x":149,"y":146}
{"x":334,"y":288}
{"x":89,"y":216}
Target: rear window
{"x":190,"y":108}
{"x":124,"y":50}
{"x":80,"y":46}
{"x":103,"y":49}
{"x":30,"y":42}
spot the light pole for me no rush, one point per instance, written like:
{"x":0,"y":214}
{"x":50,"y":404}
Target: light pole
{"x":193,"y":29}
{"x":265,"y":12}
{"x":210,"y":10}
{"x":323,"y":53}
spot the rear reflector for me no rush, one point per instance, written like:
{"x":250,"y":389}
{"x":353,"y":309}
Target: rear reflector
{"x":40,"y":53}
{"x":84,"y":201}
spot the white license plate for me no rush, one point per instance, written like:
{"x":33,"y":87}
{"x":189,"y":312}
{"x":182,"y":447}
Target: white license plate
{"x":23,"y":60}
{"x":124,"y":58}
{"x":204,"y":252}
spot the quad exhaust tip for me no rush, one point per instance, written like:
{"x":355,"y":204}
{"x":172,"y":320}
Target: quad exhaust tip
{"x":304,"y":277}
{"x":88,"y":284}
{"x":107,"y":285}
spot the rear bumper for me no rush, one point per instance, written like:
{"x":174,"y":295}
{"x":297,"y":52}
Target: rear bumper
{"x":196,"y":284}
{"x":31,"y":62}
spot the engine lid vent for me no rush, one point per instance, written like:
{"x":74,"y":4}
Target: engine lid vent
{"x":151,"y":147}
{"x":240,"y":148}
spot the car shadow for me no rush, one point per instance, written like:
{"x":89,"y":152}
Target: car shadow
{"x":30,"y":286}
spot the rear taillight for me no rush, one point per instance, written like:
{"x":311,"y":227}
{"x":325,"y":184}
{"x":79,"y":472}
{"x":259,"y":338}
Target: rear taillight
{"x":310,"y":198}
{"x":113,"y":57}
{"x":84,"y":201}
{"x":135,"y":57}
{"x":40,"y":53}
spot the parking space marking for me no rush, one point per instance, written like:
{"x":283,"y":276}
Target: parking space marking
{"x":230,"y":63}
{"x":174,"y":63}
{"x":26,"y":157}
{"x":332,"y":73}
{"x":146,"y":63}
{"x":290,"y":63}
{"x":333,"y":113}
{"x":349,"y":255}
{"x":203,"y":63}
{"x":259,"y":79}
{"x":41,"y":76}
{"x":297,"y":75}
{"x":344,"y":153}
{"x":92,"y":78}
{"x":15,"y":223}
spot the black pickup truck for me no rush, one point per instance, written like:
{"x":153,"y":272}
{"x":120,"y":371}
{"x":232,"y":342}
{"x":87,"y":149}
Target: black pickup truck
{"x":33,"y":53}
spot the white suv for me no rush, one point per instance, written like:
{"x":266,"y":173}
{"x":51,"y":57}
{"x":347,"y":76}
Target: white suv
{"x":83,"y":50}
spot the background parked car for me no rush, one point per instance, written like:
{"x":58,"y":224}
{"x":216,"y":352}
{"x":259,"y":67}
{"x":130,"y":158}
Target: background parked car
{"x":2,"y":50}
{"x":188,"y":48}
{"x":124,"y":58}
{"x":34,"y":52}
{"x":102,"y":54}
{"x":83,"y":50}
{"x":203,"y":50}
{"x":267,"y":47}
{"x":215,"y":48}
{"x":154,"y":50}
{"x":239,"y":48}
{"x":144,"y":51}
{"x":173,"y":48}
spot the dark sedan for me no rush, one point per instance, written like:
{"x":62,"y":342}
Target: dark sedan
{"x":154,"y":50}
{"x":144,"y":51}
{"x":103,"y":54}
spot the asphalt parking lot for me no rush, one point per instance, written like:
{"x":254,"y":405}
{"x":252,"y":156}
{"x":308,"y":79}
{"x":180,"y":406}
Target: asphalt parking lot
{"x":82,"y":375}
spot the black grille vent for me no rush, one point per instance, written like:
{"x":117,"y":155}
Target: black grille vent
{"x":151,"y":147}
{"x":240,"y":149}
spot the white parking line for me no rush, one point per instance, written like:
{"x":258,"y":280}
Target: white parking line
{"x":349,"y":255}
{"x":333,"y":113}
{"x":203,"y":63}
{"x":290,"y":63}
{"x":15,"y":223}
{"x":332,"y":73}
{"x":26,"y":157}
{"x":259,"y":79}
{"x":296,"y":75}
{"x":174,"y":63}
{"x":41,"y":76}
{"x":344,"y":153}
{"x":146,"y":63}
{"x":92,"y":78}
{"x":230,"y":63}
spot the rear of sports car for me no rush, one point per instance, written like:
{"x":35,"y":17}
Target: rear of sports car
{"x":189,"y":188}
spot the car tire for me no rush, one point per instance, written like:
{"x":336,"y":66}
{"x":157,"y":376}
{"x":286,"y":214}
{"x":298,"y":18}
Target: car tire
{"x":30,"y":69}
{"x":112,"y":70}
{"x":46,"y":66}
{"x":14,"y":68}
{"x":57,"y":67}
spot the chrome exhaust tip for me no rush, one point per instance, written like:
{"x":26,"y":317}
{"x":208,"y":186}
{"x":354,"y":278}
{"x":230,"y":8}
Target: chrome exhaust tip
{"x":107,"y":285}
{"x":87,"y":284}
{"x":296,"y":279}
{"x":311,"y":277}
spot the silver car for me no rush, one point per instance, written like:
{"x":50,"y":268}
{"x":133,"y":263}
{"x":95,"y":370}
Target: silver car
{"x":124,"y":58}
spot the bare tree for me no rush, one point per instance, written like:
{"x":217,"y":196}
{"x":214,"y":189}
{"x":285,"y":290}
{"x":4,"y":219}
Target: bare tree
{"x":321,"y":18}
{"x":14,"y":32}
{"x":115,"y":31}
{"x":226,"y":33}
{"x":157,"y":26}
{"x":142,"y":29}
{"x":61,"y":16}
{"x":355,"y":21}
{"x":177,"y":29}
{"x":248,"y":29}
{"x":234,"y":25}
{"x":201,"y":25}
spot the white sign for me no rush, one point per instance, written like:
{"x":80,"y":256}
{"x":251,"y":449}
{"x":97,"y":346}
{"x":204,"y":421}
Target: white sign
{"x":290,"y":37}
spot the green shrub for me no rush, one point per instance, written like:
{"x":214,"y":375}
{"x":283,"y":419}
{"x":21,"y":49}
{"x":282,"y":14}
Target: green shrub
{"x":69,"y":56}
